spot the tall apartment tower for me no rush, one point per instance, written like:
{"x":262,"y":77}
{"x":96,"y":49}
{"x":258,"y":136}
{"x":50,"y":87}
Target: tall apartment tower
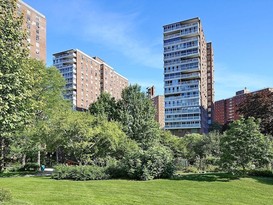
{"x":210,"y":81}
{"x":87,"y":77}
{"x":35,"y":25}
{"x":185,"y":78}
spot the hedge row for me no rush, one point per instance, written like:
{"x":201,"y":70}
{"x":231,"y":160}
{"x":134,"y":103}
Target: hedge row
{"x":79,"y":173}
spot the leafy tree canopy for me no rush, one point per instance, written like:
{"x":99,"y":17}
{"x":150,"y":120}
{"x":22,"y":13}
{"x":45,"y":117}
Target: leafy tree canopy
{"x":260,"y":106}
{"x":243,"y":145}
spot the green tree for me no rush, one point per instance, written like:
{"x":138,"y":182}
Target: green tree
{"x":176,"y":144}
{"x":260,"y":106}
{"x":243,"y":145}
{"x":90,"y":140}
{"x":15,"y":77}
{"x":105,"y":106}
{"x":194,"y":148}
{"x":47,"y":99}
{"x":136,"y":114}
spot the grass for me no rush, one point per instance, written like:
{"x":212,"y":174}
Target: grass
{"x":184,"y":189}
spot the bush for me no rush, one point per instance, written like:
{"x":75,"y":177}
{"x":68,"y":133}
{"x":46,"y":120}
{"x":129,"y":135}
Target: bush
{"x":191,"y":169}
{"x":30,"y":167}
{"x":260,"y":173}
{"x":79,"y":173}
{"x":5,"y":195}
{"x":154,"y":163}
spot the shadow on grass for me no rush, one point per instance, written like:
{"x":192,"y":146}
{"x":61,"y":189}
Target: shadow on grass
{"x":264,"y":180}
{"x":208,"y":177}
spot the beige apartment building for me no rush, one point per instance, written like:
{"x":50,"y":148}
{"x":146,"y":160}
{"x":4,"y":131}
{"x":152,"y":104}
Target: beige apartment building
{"x":87,"y":77}
{"x":35,"y":26}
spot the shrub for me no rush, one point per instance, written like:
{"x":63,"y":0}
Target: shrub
{"x":30,"y":167}
{"x":260,"y":173}
{"x":5,"y":195}
{"x":191,"y":169}
{"x":153,"y":163}
{"x":79,"y":173}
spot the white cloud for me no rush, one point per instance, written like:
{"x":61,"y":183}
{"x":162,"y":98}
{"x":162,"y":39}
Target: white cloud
{"x":120,"y":32}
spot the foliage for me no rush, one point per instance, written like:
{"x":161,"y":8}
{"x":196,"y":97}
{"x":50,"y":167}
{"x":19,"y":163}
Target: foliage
{"x":155,"y":162}
{"x":88,"y":139}
{"x":243,"y":146}
{"x":105,"y":107}
{"x":173,"y":142}
{"x":79,"y":173}
{"x":194,"y":147}
{"x":260,"y":173}
{"x":249,"y":108}
{"x":16,"y":81}
{"x":191,"y":169}
{"x":136,"y":114}
{"x":30,"y":167}
{"x":41,"y":134}
{"x":5,"y":195}
{"x":202,"y":151}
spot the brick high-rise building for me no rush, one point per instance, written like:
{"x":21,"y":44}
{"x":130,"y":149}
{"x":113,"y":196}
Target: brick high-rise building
{"x":35,"y":25}
{"x":159,"y":109}
{"x":186,"y":77}
{"x":226,"y":110}
{"x":158,"y":102}
{"x":210,"y":81}
{"x":87,"y":77}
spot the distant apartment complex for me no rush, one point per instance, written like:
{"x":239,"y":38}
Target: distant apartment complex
{"x":226,"y":110}
{"x":158,"y":102}
{"x":188,"y":77}
{"x":35,"y":25}
{"x":87,"y":77}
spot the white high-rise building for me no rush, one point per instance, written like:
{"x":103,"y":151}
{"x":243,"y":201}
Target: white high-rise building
{"x":185,"y":77}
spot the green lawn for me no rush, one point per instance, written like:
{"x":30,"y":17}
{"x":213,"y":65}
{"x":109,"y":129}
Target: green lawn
{"x":189,"y":189}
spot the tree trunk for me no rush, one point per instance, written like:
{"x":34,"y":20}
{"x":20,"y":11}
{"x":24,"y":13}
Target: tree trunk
{"x":2,"y":153}
{"x":24,"y":159}
{"x":39,"y":158}
{"x":57,"y":155}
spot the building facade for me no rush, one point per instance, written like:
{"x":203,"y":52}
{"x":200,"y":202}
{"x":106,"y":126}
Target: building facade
{"x":35,"y":25}
{"x":210,"y":81}
{"x":159,"y":110}
{"x":185,"y":77}
{"x":87,"y":77}
{"x":225,"y":111}
{"x":158,"y":102}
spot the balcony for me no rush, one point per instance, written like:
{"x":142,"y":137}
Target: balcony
{"x":66,"y":55}
{"x":182,"y":76}
{"x":180,"y":40}
{"x":182,"y":111}
{"x":180,"y":61}
{"x":191,"y":31}
{"x":182,"y":119}
{"x":178,"y":26}
{"x":189,"y":52}
{"x":183,"y":126}
{"x":183,"y":68}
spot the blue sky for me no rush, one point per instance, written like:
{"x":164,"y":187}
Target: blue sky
{"x":127,"y":34}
